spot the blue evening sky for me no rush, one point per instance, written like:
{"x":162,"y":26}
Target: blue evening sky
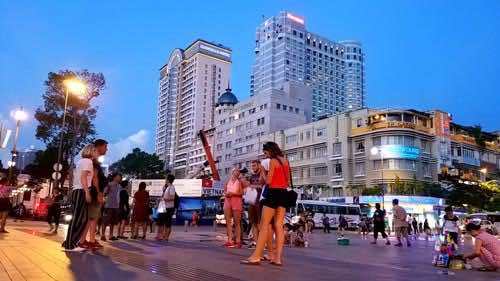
{"x":420,"y":54}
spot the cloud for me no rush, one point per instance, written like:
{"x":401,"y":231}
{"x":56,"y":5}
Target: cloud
{"x":119,"y":149}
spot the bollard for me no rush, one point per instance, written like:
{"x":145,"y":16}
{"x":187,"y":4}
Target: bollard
{"x":186,"y":224}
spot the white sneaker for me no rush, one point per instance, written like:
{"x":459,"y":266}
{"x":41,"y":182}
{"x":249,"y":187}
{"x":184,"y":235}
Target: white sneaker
{"x":76,"y":250}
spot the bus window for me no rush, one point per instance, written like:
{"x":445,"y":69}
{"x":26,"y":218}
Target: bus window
{"x":300,"y":208}
{"x":334,"y":210}
{"x":320,"y":209}
{"x":342,"y":210}
{"x":353,"y":211}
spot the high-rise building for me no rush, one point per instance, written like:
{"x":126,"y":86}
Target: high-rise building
{"x":286,"y":51}
{"x":25,"y":158}
{"x":189,"y":86}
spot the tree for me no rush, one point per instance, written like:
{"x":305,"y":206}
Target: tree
{"x":477,"y":133}
{"x":80,"y":114}
{"x":140,"y":164}
{"x":41,"y":168}
{"x":372,"y":191}
{"x":485,"y":196}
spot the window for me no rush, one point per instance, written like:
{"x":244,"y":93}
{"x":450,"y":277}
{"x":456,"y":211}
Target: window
{"x":359,"y":123}
{"x":459,"y":152}
{"x":359,"y":146}
{"x":293,"y":156}
{"x":426,"y":147}
{"x":337,"y":148}
{"x":320,"y":152}
{"x":260,"y":121}
{"x":320,"y":171}
{"x":228,"y":144}
{"x":249,"y":148}
{"x":359,"y":169}
{"x":321,"y":132}
{"x":238,"y":151}
{"x":308,"y":135}
{"x":296,"y":110}
{"x":219,"y":134}
{"x":251,"y":111}
{"x":218,"y":159}
{"x":249,"y":125}
{"x":278,"y":106}
{"x":395,"y":164}
{"x":239,"y":128}
{"x":338,"y":169}
{"x":227,"y":157}
{"x":219,"y":146}
{"x":291,"y":139}
{"x":377,"y":141}
{"x":285,"y":107}
{"x":426,"y":167}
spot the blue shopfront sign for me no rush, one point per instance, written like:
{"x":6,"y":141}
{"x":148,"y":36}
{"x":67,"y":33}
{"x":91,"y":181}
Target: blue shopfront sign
{"x":400,"y":151}
{"x":402,"y":199}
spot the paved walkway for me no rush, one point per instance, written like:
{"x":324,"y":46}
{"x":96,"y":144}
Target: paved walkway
{"x":28,"y":254}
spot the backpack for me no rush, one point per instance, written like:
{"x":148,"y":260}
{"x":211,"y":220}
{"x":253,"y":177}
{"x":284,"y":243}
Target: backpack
{"x":177,"y":201}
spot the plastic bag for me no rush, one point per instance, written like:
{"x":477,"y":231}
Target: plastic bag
{"x":250,"y":196}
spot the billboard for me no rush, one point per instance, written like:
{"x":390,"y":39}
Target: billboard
{"x":400,"y":151}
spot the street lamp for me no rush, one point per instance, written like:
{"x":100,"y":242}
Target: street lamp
{"x":18,"y":115}
{"x":77,"y":87}
{"x":376,"y":151}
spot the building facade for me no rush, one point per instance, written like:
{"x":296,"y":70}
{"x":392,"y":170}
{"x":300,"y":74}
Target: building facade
{"x":286,"y":51}
{"x":190,"y":84}
{"x":241,"y":126}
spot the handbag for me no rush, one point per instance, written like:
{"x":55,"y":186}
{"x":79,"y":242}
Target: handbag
{"x":291,"y":195}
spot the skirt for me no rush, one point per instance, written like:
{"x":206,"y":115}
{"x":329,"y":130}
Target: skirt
{"x":79,"y":220}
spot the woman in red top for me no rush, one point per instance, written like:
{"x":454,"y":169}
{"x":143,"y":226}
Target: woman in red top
{"x":274,"y":202}
{"x":140,"y":214}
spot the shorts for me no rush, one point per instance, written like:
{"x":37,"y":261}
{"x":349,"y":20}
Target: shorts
{"x":94,"y":211}
{"x":401,"y":231}
{"x":165,"y":219}
{"x":275,"y":197}
{"x":123,"y":215}
{"x":254,"y":212}
{"x":5,"y":205}
{"x":111,"y":216}
{"x":233,"y":203}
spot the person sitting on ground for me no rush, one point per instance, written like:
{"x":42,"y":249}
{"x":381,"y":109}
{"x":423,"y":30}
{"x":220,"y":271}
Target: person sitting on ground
{"x":486,"y":254}
{"x":299,"y":239}
{"x":288,"y":231}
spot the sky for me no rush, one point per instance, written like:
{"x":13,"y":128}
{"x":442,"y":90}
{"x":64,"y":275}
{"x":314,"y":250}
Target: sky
{"x":419,"y":54}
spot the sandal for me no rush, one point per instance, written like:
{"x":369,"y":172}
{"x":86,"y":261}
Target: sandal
{"x":249,"y":262}
{"x":276,"y":263}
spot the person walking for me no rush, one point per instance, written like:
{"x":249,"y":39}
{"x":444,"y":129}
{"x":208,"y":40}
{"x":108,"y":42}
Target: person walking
{"x":233,"y":207}
{"x":79,"y":198}
{"x":326,"y":223}
{"x":140,"y":213}
{"x":379,"y":225}
{"x":450,"y":224}
{"x":167,"y":209}
{"x":54,"y":211}
{"x":5,"y":204}
{"x":400,"y":223}
{"x":257,"y":180}
{"x":427,"y":230}
{"x":414,"y":224}
{"x":124,"y":210}
{"x":275,"y":202}
{"x":342,"y":225}
{"x":111,"y":207}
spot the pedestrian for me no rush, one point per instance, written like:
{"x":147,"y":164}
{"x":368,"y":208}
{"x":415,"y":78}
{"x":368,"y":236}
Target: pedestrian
{"x":420,"y":227}
{"x":80,"y":197}
{"x":101,"y":147}
{"x":124,"y":210}
{"x":275,"y":202}
{"x":343,"y":224}
{"x":450,"y":224}
{"x":486,"y":253}
{"x":54,"y":211}
{"x":140,"y":214}
{"x":257,"y":179}
{"x":326,"y":223}
{"x":363,"y":228}
{"x":400,"y":223}
{"x":5,"y":204}
{"x":111,"y":207}
{"x":20,"y":211}
{"x":414,"y":224}
{"x":166,"y":210}
{"x":233,"y":207}
{"x":379,"y":225}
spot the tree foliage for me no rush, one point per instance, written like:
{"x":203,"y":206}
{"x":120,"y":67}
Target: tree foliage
{"x":140,"y":164}
{"x":41,"y":168}
{"x":80,"y":114}
{"x":372,"y":191}
{"x":485,"y":196}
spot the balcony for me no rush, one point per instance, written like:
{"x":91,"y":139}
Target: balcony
{"x":461,"y":138}
{"x":388,"y":125}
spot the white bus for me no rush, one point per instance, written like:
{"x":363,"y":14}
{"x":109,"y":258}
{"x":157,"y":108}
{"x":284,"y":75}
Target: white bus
{"x":332,"y":210}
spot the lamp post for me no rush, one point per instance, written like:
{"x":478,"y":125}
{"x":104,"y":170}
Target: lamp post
{"x":76,"y":87}
{"x":378,"y":151}
{"x":19,"y":115}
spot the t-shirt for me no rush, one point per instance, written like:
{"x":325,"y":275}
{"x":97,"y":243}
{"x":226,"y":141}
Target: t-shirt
{"x":378,"y":216}
{"x":5,"y":191}
{"x":399,"y":216}
{"x":112,"y":193}
{"x":450,"y":224}
{"x":83,"y":164}
{"x":101,"y":177}
{"x":124,"y":197}
{"x":169,"y":194}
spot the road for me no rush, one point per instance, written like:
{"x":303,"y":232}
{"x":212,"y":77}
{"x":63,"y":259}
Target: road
{"x":27,"y":253}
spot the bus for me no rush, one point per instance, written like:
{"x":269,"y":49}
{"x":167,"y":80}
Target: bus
{"x":351,"y":212}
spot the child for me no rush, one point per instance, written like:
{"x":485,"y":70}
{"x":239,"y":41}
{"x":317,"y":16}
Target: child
{"x":363,"y":227}
{"x":299,"y":240}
